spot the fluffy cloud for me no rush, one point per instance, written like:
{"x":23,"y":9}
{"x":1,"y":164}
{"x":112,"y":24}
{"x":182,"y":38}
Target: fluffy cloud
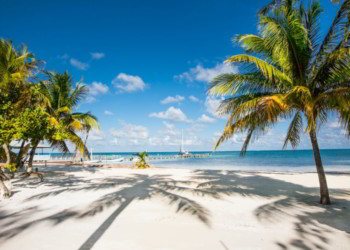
{"x":106,"y":112}
{"x":168,"y":125}
{"x":128,"y":83}
{"x":201,"y":74}
{"x":193,"y":98}
{"x":79,"y":65}
{"x":206,"y":119}
{"x":334,"y":124}
{"x":90,"y":99}
{"x":212,"y":104}
{"x":97,"y":55}
{"x":172,"y":99}
{"x":217,"y":134}
{"x":130,"y":131}
{"x":170,"y":129}
{"x":174,"y":141}
{"x":173,"y":114}
{"x":96,"y":135}
{"x":97,"y":88}
{"x":195,"y":128}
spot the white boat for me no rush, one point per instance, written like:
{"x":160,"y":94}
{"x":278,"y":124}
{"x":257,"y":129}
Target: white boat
{"x":182,"y":151}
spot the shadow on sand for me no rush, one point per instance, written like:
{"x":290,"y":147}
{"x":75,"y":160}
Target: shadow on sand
{"x":312,"y":227}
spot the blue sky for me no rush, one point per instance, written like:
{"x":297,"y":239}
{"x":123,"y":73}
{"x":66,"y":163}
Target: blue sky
{"x":147,"y":65}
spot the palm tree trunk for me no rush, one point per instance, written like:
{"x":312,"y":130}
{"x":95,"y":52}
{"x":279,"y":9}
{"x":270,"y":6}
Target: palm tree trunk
{"x":20,"y":153}
{"x":3,"y":187}
{"x":325,"y":200}
{"x":7,"y":153}
{"x":31,"y":157}
{"x":86,"y":138}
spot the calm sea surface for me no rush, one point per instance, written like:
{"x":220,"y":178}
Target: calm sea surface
{"x":291,"y":161}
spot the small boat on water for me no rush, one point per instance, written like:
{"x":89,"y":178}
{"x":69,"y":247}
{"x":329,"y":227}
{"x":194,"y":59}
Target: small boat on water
{"x":183,"y":153}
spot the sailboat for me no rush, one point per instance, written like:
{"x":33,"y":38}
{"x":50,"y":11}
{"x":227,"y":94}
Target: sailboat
{"x":182,"y":151}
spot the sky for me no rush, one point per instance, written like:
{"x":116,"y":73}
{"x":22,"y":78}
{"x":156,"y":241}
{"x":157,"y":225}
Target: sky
{"x":147,"y":65}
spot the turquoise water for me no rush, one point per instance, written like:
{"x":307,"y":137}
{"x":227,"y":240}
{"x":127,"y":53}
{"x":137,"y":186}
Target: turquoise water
{"x":291,"y":161}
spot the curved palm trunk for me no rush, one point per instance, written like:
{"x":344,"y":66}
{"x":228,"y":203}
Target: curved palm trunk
{"x":5,"y":190}
{"x":31,"y":157}
{"x":86,"y":138}
{"x":3,"y":177}
{"x":7,"y":153}
{"x":325,"y":200}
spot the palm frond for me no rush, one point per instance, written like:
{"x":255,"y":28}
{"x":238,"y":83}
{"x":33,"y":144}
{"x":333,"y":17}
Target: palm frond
{"x":270,"y":72}
{"x":294,"y":131}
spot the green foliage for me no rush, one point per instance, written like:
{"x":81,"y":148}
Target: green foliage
{"x":39,"y":111}
{"x":11,"y":167}
{"x":142,"y":163}
{"x":289,"y":71}
{"x":64,"y":99}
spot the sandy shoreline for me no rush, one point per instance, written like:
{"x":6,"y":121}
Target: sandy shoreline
{"x":121,"y":208}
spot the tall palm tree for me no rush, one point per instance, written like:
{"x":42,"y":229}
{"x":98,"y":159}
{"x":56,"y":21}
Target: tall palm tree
{"x":289,"y":71}
{"x":64,"y":99}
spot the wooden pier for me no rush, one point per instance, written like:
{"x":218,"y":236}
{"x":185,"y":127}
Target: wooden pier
{"x":175,"y":157}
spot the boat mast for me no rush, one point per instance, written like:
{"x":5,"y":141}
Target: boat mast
{"x":182,"y":141}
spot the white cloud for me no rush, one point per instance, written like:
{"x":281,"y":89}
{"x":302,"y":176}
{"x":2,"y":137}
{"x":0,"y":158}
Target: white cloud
{"x":169,"y":132}
{"x":193,"y":98}
{"x":106,"y":112}
{"x":334,"y":124}
{"x":173,"y":114}
{"x":206,"y":119}
{"x":168,"y":125}
{"x":171,"y":99}
{"x":97,"y":55}
{"x":217,"y":134}
{"x":212,"y":104}
{"x":201,"y":74}
{"x":130,"y":131}
{"x":79,"y":65}
{"x":97,"y":88}
{"x":90,"y":99}
{"x":134,"y":142}
{"x":114,"y":141}
{"x":128,"y":83}
{"x":195,"y":128}
{"x":238,"y":138}
{"x":174,"y":141}
{"x":96,"y":135}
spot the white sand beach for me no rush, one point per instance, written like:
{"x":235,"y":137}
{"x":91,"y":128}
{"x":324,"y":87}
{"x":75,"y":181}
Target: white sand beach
{"x":97,"y":208}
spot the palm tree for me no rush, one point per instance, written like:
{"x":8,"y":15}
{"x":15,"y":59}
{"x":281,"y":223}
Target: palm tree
{"x":289,"y":71}
{"x":16,"y":66}
{"x":64,"y":98}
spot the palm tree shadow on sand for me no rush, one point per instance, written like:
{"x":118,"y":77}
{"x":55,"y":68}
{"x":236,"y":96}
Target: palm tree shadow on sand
{"x":135,"y":187}
{"x":311,"y":227}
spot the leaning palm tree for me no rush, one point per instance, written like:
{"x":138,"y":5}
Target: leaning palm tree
{"x":289,"y":71}
{"x":64,"y":98}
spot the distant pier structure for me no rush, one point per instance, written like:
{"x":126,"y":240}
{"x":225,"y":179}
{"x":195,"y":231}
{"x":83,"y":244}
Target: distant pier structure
{"x":174,"y":157}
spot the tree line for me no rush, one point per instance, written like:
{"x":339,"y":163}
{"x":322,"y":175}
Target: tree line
{"x":36,"y":106}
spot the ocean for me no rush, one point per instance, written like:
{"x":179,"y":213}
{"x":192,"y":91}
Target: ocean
{"x":279,"y":161}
